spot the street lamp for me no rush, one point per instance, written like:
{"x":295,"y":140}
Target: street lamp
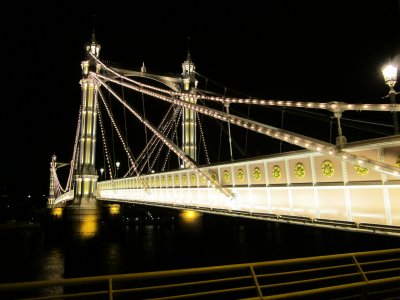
{"x":117,"y":164}
{"x":390,"y":75}
{"x":101,"y":172}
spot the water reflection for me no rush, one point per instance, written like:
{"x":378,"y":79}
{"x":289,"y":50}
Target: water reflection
{"x":57,"y":212}
{"x":51,"y":267}
{"x":170,"y":240}
{"x":190,"y":216}
{"x":113,"y":258}
{"x":114,"y":209}
{"x":86,"y":226}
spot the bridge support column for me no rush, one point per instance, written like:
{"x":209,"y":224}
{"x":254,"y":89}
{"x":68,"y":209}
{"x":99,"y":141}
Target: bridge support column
{"x":52,"y":197}
{"x":189,"y":133}
{"x":85,"y":202}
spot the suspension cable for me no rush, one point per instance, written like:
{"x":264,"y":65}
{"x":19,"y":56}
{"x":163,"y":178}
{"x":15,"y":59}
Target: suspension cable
{"x":166,"y":134}
{"x":203,"y":139}
{"x":229,"y":128}
{"x":333,"y":106}
{"x":282,"y":118}
{"x":114,"y":171}
{"x":118,"y":131}
{"x":145,"y":133}
{"x":290,"y":137}
{"x":104,"y":140}
{"x":153,"y":139}
{"x":247,"y":131}
{"x":126,"y":128}
{"x":155,"y":143}
{"x":75,"y":151}
{"x":72,"y":164}
{"x":188,"y":161}
{"x":174,"y":134}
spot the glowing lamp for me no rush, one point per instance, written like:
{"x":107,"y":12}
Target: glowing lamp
{"x":389,"y":73}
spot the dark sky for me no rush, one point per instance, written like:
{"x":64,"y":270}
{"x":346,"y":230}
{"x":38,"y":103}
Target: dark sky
{"x":290,"y":50}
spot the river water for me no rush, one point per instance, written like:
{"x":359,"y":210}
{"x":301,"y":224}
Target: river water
{"x":138,"y":239}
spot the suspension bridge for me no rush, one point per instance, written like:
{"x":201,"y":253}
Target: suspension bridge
{"x":353,"y":185}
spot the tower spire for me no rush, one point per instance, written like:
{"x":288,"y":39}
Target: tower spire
{"x":93,"y":46}
{"x":143,"y":68}
{"x":93,"y":40}
{"x":188,"y":58}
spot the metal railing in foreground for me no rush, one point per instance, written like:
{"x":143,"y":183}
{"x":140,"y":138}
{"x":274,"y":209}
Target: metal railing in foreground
{"x":372,"y":274}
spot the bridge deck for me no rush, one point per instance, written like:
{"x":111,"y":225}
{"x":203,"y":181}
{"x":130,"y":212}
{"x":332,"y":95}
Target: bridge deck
{"x":301,"y":184}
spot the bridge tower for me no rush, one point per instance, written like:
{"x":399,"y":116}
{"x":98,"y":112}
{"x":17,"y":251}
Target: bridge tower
{"x":85,"y":172}
{"x":52,"y":197}
{"x":189,"y":85}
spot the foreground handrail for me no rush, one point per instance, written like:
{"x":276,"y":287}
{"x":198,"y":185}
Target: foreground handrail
{"x":259,"y":280}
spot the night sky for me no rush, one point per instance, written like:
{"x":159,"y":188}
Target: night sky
{"x":295,"y":50}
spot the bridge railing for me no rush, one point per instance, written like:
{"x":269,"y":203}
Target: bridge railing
{"x":64,"y":197}
{"x":372,"y":273}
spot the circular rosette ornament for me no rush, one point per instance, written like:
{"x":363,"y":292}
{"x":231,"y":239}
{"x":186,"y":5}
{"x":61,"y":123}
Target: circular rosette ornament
{"x":276,"y":172}
{"x":226,"y":176}
{"x":193,"y":178}
{"x":361,"y":170}
{"x":184,"y":179}
{"x":299,"y":170}
{"x":327,"y":168}
{"x":240,"y":175}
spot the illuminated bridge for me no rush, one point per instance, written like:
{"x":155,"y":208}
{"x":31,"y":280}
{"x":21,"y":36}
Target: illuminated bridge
{"x":353,"y":185}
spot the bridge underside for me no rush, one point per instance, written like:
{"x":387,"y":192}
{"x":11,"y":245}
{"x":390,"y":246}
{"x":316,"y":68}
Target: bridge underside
{"x":338,"y":206}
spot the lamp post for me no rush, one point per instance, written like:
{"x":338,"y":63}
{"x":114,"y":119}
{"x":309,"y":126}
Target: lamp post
{"x":390,"y":75}
{"x":117,"y":164}
{"x":101,"y":172}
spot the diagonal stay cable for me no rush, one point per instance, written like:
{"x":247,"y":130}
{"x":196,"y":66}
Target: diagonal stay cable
{"x":280,"y":134}
{"x":117,"y":129}
{"x":104,"y":140}
{"x":334,"y":106}
{"x":189,"y":162}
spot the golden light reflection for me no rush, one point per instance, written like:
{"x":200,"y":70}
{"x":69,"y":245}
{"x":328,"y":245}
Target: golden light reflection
{"x":190,"y":215}
{"x":57,"y":212}
{"x":87,"y":225}
{"x":115,"y":209}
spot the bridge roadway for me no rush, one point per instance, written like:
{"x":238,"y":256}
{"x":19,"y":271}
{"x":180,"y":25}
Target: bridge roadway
{"x":300,"y":186}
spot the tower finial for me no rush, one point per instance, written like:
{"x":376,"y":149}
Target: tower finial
{"x":143,"y":68}
{"x":188,"y":58}
{"x":93,"y":29}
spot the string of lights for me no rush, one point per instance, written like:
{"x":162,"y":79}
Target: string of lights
{"x":333,"y":106}
{"x":104,"y":140}
{"x":163,"y":130}
{"x":280,"y":134}
{"x":154,"y":141}
{"x":203,"y":139}
{"x":118,"y":131}
{"x":177,"y":114}
{"x":188,"y":161}
{"x":57,"y":185}
{"x":75,"y":151}
{"x":126,"y":148}
{"x":173,"y":125}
